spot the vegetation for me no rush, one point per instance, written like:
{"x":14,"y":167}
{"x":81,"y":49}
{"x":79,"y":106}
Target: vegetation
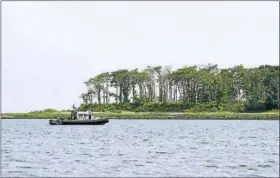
{"x":191,"y":92}
{"x":35,"y":115}
{"x":152,"y":115}
{"x":188,"y":89}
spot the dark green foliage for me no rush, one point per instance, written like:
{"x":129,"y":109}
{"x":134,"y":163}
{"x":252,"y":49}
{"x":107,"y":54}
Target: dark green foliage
{"x":152,"y":115}
{"x":164,"y":107}
{"x":50,"y":110}
{"x":191,"y":88}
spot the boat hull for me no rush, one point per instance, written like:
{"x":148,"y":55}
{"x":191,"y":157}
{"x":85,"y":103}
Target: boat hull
{"x":78,"y":122}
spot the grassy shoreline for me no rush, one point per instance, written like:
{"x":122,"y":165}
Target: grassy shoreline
{"x":154,"y":115}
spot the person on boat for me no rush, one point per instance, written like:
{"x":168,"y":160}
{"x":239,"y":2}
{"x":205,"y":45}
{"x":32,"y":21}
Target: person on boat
{"x":74,"y":108}
{"x":74,"y":112}
{"x":89,"y":115}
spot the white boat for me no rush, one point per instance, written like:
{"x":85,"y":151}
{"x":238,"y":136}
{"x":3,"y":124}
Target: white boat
{"x":80,"y":118}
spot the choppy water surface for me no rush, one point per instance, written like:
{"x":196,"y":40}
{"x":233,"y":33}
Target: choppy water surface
{"x":141,"y":148}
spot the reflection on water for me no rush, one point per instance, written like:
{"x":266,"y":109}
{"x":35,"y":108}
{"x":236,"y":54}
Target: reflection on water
{"x":141,"y":148}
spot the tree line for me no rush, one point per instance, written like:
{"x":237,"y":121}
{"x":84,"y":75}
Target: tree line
{"x":254,"y":88}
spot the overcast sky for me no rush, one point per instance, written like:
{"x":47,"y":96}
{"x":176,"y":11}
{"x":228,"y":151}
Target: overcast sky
{"x":50,"y":48}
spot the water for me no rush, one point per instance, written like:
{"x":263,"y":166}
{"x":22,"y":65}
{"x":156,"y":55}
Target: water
{"x":141,"y":148}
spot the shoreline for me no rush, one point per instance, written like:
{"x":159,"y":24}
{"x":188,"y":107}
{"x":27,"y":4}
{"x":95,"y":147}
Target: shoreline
{"x":154,"y":115}
{"x":186,"y":119}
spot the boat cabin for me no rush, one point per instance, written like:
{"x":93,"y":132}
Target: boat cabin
{"x":81,"y":115}
{"x":84,"y":116}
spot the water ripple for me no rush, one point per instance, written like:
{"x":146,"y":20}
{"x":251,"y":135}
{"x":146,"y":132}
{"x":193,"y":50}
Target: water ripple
{"x":126,"y":148}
